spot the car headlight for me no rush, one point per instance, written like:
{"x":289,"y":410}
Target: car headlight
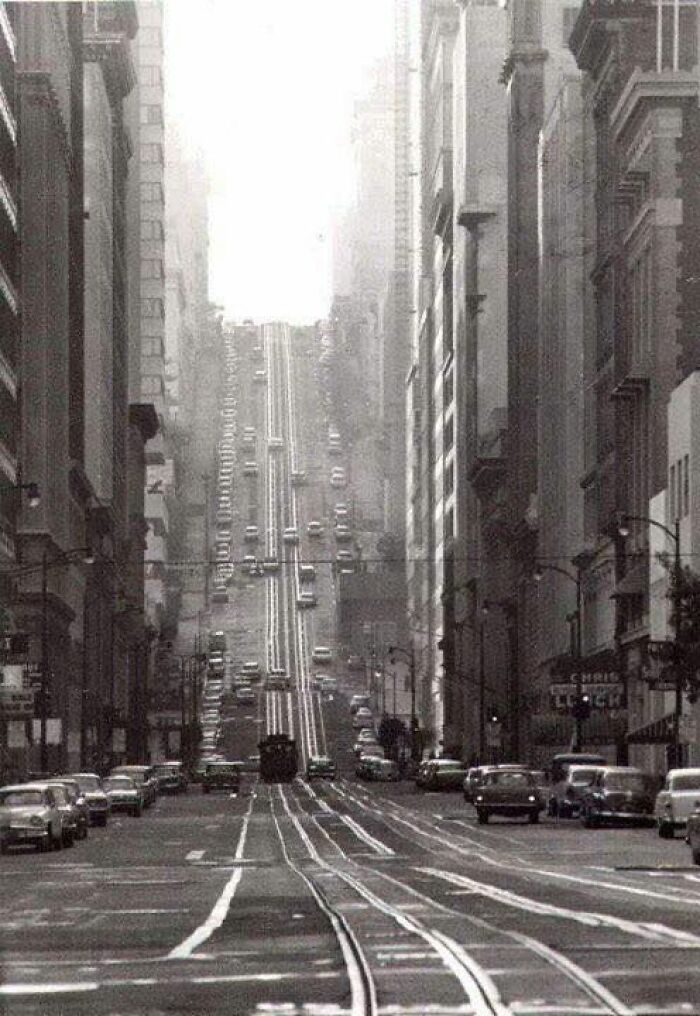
{"x":37,"y":820}
{"x":532,"y":797}
{"x":479,"y":797}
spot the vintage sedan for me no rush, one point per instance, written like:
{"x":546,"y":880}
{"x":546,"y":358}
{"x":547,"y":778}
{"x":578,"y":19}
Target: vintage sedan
{"x":171,"y":776}
{"x":95,"y":797}
{"x":221,"y":776}
{"x":30,"y":813}
{"x":444,"y":774}
{"x":676,"y":801}
{"x":693,"y":832}
{"x":124,"y":794}
{"x":618,"y":794}
{"x":509,"y":792}
{"x":320,"y":767}
{"x":384,"y":770}
{"x":144,"y":777}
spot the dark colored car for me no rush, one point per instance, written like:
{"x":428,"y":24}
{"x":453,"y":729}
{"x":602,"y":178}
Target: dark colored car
{"x":618,"y":794}
{"x":95,"y":797}
{"x":510,"y":792}
{"x":693,"y":833}
{"x":444,"y":774}
{"x":145,"y":779}
{"x":320,"y":766}
{"x":79,"y":804}
{"x":366,"y":765}
{"x":221,"y":776}
{"x":171,"y":777}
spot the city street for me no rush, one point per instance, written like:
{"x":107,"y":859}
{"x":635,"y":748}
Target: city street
{"x":343,"y":897}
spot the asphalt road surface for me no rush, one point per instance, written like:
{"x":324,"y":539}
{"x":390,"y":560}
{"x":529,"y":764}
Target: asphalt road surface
{"x":349,"y":898}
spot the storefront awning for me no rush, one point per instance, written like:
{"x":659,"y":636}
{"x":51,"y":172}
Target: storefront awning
{"x":657,"y":732}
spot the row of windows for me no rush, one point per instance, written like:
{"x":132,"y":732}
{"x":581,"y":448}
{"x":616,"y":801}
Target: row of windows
{"x":152,"y":307}
{"x":150,"y":74}
{"x":152,"y":229}
{"x":152,"y":192}
{"x":679,"y":488}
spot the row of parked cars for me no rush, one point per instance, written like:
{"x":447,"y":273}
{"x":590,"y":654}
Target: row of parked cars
{"x":54,"y":811}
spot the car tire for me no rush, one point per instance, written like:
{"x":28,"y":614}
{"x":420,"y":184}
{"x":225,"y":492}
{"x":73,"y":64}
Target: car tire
{"x":482,"y":816}
{"x":552,"y":807}
{"x":666,"y":831}
{"x":4,"y":846}
{"x":534,"y":817}
{"x":136,"y":812}
{"x":588,"y":819}
{"x":102,"y":821}
{"x":84,"y":832}
{"x":56,"y":841}
{"x":68,"y":837}
{"x":695,"y":854}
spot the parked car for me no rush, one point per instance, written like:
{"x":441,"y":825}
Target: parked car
{"x":510,"y":792}
{"x":144,"y":777}
{"x":124,"y":794}
{"x":306,"y":598}
{"x":171,"y":776}
{"x":618,"y":794}
{"x":444,"y":774}
{"x":559,"y":768}
{"x":314,"y":528}
{"x":221,"y":776}
{"x":320,"y":766}
{"x":97,"y":801}
{"x":566,"y":802}
{"x":362,"y":718}
{"x":30,"y":813}
{"x":244,"y":695}
{"x":365,"y":766}
{"x":321,"y":654}
{"x":384,"y":770}
{"x":421,"y":771}
{"x":359,"y":701}
{"x":290,"y":535}
{"x":676,"y":801}
{"x":78,"y":804}
{"x":693,"y":832}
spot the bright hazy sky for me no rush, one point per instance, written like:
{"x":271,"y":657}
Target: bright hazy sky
{"x":266,"y":89}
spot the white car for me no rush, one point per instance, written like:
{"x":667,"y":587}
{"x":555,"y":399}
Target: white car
{"x":250,"y":469}
{"x":275,"y":444}
{"x":306,"y":599}
{"x":342,"y":533}
{"x":676,"y":801}
{"x":290,"y":535}
{"x":321,"y":654}
{"x":251,"y":534}
{"x":314,"y":528}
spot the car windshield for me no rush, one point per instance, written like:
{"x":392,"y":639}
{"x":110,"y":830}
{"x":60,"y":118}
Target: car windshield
{"x":626,"y":781}
{"x":582,"y":775}
{"x":167,"y":770}
{"x":222,"y":767}
{"x":21,"y":798}
{"x":510,"y":779}
{"x":686,"y":781}
{"x":449,"y":767}
{"x":118,"y":783}
{"x":87,"y":783}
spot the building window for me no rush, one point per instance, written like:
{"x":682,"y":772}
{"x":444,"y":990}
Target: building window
{"x":152,"y":153}
{"x":152,"y":114}
{"x":686,"y":485}
{"x":150,"y":74}
{"x":449,"y":436}
{"x":449,"y":479}
{"x":449,"y":524}
{"x":152,"y":308}
{"x":448,"y":390}
{"x":152,"y":229}
{"x":152,"y":192}
{"x":152,"y":347}
{"x":152,"y":268}
{"x":672,"y":493}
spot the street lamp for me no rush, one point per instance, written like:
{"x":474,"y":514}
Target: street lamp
{"x":675,"y":535}
{"x":33,"y":493}
{"x":538,"y":575}
{"x":88,"y":559}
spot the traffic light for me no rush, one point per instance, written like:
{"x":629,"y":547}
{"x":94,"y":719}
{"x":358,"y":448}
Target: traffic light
{"x":581,"y":708}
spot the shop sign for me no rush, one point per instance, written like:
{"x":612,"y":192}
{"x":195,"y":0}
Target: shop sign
{"x":16,"y":702}
{"x":604,"y":689}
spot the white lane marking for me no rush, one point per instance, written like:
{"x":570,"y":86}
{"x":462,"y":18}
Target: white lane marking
{"x":218,"y":914}
{"x":47,"y":989}
{"x":195,"y":855}
{"x":377,"y":846}
{"x":650,"y":932}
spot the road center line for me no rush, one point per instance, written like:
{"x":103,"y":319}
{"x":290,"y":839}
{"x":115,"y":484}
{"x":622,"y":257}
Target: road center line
{"x":220,"y":909}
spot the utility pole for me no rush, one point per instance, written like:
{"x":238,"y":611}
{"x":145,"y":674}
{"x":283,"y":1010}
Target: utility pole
{"x":482,"y":694}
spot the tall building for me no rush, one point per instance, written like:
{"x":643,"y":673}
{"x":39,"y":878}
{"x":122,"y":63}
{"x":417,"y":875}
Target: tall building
{"x":431,"y":512}
{"x":108,"y":79}
{"x":642,"y":97}
{"x":49,"y":105}
{"x":476,"y":471}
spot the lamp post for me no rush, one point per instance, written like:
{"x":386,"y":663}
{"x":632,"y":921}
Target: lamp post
{"x":577,"y":644}
{"x":411,"y":657}
{"x":675,"y":535}
{"x":64,"y":558}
